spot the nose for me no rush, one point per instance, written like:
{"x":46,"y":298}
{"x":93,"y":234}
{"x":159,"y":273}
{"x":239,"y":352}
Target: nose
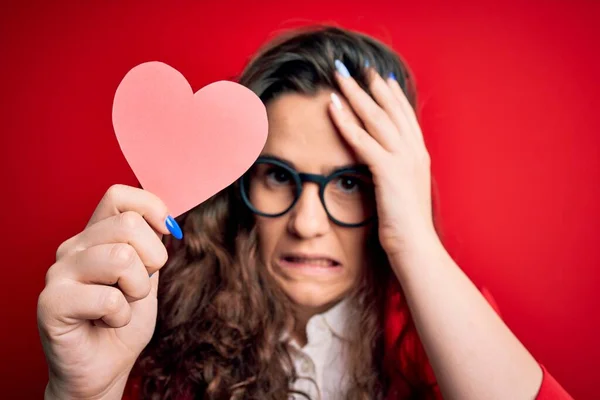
{"x":308,"y":218}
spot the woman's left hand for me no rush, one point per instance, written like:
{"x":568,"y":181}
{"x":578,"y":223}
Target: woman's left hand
{"x":391,"y":143}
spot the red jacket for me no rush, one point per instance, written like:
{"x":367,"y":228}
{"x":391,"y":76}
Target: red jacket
{"x":406,"y":361}
{"x":409,"y":361}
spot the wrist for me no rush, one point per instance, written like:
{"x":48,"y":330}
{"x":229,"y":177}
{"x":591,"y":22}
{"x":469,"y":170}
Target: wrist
{"x":422,"y":245}
{"x":55,"y":391}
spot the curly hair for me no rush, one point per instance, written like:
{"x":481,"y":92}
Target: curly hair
{"x":222,"y":318}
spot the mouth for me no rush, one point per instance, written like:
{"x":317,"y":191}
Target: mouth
{"x":315,"y":261}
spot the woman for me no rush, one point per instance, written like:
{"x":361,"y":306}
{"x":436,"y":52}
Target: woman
{"x":292,"y":281}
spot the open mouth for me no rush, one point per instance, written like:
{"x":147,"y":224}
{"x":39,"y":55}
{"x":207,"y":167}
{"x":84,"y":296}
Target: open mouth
{"x":295,"y":260}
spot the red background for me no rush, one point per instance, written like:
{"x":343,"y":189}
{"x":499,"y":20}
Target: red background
{"x":509,"y":97}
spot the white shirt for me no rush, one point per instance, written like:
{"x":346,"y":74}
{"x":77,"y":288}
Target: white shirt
{"x":321,"y":364}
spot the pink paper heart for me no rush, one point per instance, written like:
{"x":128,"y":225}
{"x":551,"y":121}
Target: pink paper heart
{"x":185,"y":146}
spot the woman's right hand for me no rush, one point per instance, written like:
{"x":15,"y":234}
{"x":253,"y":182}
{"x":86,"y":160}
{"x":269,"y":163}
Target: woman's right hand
{"x":98,"y":309}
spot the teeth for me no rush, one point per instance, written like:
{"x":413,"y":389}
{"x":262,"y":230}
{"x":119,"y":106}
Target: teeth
{"x":319,"y":262}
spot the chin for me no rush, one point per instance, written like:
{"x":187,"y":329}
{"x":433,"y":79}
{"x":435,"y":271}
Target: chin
{"x":312,"y":296}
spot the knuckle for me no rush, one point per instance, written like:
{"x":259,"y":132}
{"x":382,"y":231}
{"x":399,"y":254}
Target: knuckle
{"x":63,"y":249}
{"x":424,"y":158}
{"x":129,"y":220}
{"x":44,"y":304}
{"x":122,"y":254}
{"x":378,"y":85}
{"x":156,"y":256}
{"x":427,"y":161}
{"x":113,"y":193}
{"x":50,"y":304}
{"x":141,"y":290}
{"x":164,"y":255}
{"x":356,"y":135}
{"x":158,"y":205}
{"x":60,"y":251}
{"x":51,"y":273}
{"x":112,"y":301}
{"x":374,"y":113}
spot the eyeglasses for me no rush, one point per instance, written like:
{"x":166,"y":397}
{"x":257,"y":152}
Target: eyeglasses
{"x":271,"y":188}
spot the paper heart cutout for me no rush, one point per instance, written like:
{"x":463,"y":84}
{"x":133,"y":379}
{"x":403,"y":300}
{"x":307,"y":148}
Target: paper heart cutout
{"x":185,"y":146}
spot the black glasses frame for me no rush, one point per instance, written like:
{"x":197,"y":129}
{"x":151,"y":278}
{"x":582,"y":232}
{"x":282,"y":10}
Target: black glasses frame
{"x":299,"y":179}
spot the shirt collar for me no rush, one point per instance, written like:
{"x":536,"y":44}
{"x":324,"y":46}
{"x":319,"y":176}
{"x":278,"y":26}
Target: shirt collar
{"x":338,"y":318}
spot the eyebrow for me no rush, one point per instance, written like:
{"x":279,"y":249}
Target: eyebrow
{"x":330,"y":171}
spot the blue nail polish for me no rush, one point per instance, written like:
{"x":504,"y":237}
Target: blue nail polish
{"x":341,"y":68}
{"x":173,"y":227}
{"x":392,"y":76}
{"x":367,"y":64}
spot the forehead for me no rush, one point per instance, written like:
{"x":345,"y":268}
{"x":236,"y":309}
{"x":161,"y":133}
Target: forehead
{"x":302,"y":132}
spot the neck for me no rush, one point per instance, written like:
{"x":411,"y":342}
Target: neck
{"x":302,"y":316}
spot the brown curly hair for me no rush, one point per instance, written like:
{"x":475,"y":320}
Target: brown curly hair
{"x":221,"y":316}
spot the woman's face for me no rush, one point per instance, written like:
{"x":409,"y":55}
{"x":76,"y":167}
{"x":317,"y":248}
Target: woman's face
{"x":315,"y":261}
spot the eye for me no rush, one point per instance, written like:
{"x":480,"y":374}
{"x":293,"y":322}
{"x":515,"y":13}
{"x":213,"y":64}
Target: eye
{"x":348,"y":184}
{"x":278,"y":176}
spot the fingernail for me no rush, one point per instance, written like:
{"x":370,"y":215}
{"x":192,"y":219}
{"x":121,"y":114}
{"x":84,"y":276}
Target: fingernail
{"x":341,"y":68}
{"x":336,"y":101}
{"x":173,"y":227}
{"x":367,"y":64}
{"x":392,"y":76}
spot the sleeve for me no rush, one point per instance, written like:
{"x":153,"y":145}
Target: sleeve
{"x":550,"y":389}
{"x":132,"y":389}
{"x":405,"y":361}
{"x":407,"y":364}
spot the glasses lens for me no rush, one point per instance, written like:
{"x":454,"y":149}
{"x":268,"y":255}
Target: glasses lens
{"x":350,"y":198}
{"x":270,"y":188}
